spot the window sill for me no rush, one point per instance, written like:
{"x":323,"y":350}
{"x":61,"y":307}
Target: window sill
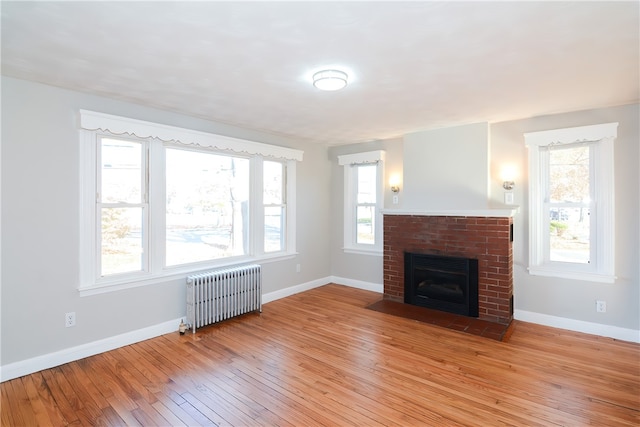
{"x":376,"y":252}
{"x":575,"y":275}
{"x":174,"y":274}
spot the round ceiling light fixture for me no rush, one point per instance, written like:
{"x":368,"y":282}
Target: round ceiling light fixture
{"x":330,"y":80}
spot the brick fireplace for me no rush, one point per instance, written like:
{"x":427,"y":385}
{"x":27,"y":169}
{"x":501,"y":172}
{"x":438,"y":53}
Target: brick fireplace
{"x":485,"y":238}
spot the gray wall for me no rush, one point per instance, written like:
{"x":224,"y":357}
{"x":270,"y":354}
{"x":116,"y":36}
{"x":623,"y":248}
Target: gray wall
{"x":40,"y":215}
{"x":575,"y":299}
{"x":447,"y":168}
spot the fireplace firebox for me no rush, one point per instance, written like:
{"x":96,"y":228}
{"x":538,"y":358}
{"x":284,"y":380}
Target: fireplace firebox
{"x":442,"y":283}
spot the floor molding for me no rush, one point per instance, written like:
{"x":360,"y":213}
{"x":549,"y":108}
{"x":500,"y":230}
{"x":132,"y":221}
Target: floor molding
{"x":616,"y":332}
{"x":367,"y":286}
{"x":292,"y":290}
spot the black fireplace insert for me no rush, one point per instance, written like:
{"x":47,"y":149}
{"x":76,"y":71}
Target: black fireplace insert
{"x":442,"y":283}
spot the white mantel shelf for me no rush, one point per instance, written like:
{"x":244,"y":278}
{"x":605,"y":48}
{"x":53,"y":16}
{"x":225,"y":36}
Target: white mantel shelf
{"x":498,"y":212}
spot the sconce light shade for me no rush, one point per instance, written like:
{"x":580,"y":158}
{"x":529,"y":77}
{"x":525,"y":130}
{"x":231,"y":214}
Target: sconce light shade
{"x":330,"y":80}
{"x":394,"y":183}
{"x":508,"y":174}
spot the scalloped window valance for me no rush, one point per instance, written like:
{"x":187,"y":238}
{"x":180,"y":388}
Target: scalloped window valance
{"x":576,"y":135}
{"x":93,"y":121}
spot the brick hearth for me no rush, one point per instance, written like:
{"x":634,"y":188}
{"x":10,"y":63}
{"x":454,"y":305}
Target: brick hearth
{"x":486,"y":239}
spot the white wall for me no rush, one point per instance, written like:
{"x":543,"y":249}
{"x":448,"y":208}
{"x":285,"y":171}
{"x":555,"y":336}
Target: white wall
{"x":40,"y":234}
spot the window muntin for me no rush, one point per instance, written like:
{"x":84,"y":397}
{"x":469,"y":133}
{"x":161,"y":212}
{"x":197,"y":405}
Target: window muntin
{"x":571,"y":202}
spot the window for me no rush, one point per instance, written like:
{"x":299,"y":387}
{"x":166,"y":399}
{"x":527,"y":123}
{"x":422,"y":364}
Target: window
{"x":571,"y":227}
{"x":154,"y":207}
{"x":363,"y":177}
{"x":274,"y":206}
{"x":122,"y":206}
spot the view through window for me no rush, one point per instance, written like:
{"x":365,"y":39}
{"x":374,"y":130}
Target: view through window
{"x":569,"y":204}
{"x":207,"y":209}
{"x":366,"y":204}
{"x":122,"y":205}
{"x":207,"y":198}
{"x":274,"y":206}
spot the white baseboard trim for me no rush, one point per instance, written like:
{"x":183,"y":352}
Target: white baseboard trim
{"x":367,"y":286}
{"x":616,"y":332}
{"x":292,"y":290}
{"x":38,"y":363}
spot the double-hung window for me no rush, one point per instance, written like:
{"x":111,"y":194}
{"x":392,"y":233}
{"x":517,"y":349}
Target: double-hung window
{"x":363,"y":200}
{"x":571,"y":206}
{"x":275,"y":206}
{"x":158,"y":202}
{"x":122,"y":206}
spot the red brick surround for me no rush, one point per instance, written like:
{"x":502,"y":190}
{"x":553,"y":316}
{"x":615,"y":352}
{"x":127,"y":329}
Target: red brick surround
{"x":485,"y":238}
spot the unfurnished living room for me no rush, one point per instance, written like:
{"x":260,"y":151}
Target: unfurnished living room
{"x":300,"y":213}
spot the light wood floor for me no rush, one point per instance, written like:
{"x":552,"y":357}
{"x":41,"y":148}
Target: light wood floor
{"x":321,"y":358}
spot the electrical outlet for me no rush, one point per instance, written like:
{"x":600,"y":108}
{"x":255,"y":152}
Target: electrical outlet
{"x":70,"y":319}
{"x":601,"y":306}
{"x":508,"y":198}
{"x":297,"y":268}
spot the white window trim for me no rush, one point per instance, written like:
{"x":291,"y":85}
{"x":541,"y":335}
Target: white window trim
{"x":93,"y":124}
{"x":116,"y":125}
{"x":348,"y":160}
{"x":602,"y":270}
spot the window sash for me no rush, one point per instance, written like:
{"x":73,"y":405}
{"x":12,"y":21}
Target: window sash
{"x":352,"y":163}
{"x":141,"y":187}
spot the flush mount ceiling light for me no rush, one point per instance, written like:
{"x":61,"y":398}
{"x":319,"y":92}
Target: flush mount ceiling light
{"x":330,"y":80}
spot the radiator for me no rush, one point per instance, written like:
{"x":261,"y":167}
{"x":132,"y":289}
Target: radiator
{"x":221,"y":294}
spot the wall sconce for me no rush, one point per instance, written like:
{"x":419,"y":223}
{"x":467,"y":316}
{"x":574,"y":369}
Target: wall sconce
{"x":508,"y":175}
{"x":394,"y":183}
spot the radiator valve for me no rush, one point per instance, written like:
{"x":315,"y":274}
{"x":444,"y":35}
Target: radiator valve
{"x":182,"y":328}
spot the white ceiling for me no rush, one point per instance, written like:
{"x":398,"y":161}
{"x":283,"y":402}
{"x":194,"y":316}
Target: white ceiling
{"x":414,"y":65}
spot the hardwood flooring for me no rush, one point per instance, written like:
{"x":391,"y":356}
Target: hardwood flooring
{"x":321,"y":358}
